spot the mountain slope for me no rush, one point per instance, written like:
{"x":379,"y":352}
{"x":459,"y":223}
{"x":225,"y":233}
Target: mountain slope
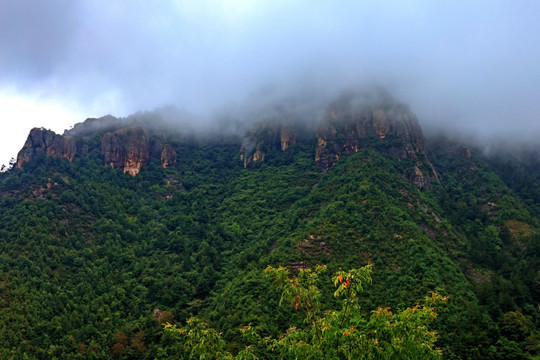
{"x":99,"y":248}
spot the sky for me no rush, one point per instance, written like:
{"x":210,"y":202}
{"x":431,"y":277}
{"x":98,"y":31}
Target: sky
{"x":471,"y":67}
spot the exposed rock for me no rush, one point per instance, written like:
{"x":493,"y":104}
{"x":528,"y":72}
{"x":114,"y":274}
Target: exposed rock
{"x":84,"y":149}
{"x":127,"y":149}
{"x":156,"y":146}
{"x":461,"y":153}
{"x":380,"y":123}
{"x":327,"y":152}
{"x":354,"y":121}
{"x":287,"y":139}
{"x":112,"y":150}
{"x":418,"y":178}
{"x":350,"y":124}
{"x":173,"y":185}
{"x":358,"y":120}
{"x":257,"y":142}
{"x":464,"y":152}
{"x":168,"y":156}
{"x":42,"y":142}
{"x":258,"y":156}
{"x":137,"y":150}
{"x":266,"y":136}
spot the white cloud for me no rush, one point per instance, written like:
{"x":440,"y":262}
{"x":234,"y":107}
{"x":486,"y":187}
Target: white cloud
{"x":19,"y":114}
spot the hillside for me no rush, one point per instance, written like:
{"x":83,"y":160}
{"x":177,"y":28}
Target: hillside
{"x":120,"y":225}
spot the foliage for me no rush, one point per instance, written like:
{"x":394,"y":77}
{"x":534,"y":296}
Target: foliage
{"x":88,"y":253}
{"x":331,"y":334}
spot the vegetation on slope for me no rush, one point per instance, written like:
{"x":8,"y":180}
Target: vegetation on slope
{"x":94,"y":261}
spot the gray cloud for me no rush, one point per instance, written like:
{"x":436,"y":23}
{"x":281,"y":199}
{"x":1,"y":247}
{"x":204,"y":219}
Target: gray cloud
{"x":34,"y":36}
{"x":467,"y":66}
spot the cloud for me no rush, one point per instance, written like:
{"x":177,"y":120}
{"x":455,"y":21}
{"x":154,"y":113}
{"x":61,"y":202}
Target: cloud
{"x":34,"y":35}
{"x":473,"y":66}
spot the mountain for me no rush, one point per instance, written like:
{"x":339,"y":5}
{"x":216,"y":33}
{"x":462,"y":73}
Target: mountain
{"x":119,"y":225}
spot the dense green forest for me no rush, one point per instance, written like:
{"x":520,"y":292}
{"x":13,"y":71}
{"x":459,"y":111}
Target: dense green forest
{"x":94,"y":261}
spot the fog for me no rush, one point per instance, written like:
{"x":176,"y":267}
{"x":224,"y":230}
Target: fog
{"x":466,"y":67}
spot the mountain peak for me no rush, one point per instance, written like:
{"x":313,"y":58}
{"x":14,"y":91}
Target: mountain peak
{"x":364,"y":120}
{"x":43,"y":142}
{"x":357,"y":119}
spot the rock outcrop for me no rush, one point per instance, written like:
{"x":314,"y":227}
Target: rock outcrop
{"x":43,"y":142}
{"x":265,"y":137}
{"x":127,"y":149}
{"x":357,"y":120}
{"x":257,"y":142}
{"x":288,"y":138}
{"x":168,"y":156}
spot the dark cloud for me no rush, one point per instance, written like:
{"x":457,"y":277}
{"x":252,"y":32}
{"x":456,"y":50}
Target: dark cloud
{"x":469,"y":66}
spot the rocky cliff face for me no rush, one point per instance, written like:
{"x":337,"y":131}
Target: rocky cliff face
{"x":130,"y":149}
{"x":257,"y":142}
{"x":264,"y":137}
{"x":356,"y":121}
{"x":168,"y":156}
{"x":127,"y":149}
{"x":42,"y":142}
{"x":288,"y":138}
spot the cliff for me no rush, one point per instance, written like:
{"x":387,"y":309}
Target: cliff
{"x":370,"y":119}
{"x":258,"y":141}
{"x":266,"y":136}
{"x":356,"y":120}
{"x":130,"y":149}
{"x":360,"y":120}
{"x":127,"y":149}
{"x":168,"y":156}
{"x":43,"y":142}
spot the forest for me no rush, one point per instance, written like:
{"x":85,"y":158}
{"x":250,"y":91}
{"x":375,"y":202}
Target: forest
{"x":98,"y":264}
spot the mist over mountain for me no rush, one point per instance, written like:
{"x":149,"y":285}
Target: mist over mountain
{"x":273,"y":180}
{"x":120,"y":226}
{"x":467,"y":68}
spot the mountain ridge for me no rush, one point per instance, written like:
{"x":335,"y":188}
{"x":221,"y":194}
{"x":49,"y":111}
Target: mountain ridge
{"x":90,"y":253}
{"x":353,"y":120}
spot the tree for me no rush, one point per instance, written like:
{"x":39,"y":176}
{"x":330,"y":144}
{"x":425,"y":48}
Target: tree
{"x":331,"y":334}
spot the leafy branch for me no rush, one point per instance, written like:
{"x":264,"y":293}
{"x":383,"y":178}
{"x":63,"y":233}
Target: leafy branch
{"x":330,"y":334}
